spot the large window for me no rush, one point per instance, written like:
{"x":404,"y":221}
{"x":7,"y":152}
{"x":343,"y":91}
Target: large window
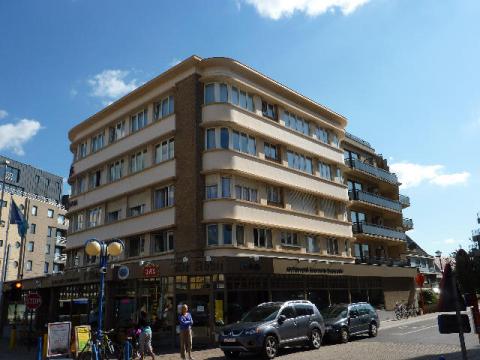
{"x":218,"y":92}
{"x":135,"y":246}
{"x":113,"y":216}
{"x":325,"y":170}
{"x":116,"y":132}
{"x":245,"y":193}
{"x":94,"y":217}
{"x":115,"y":170}
{"x":164,"y":197}
{"x":224,"y":138}
{"x":269,"y":110}
{"x":209,"y":93}
{"x":164,"y":107}
{"x":139,"y":120}
{"x":357,"y":217}
{"x":262,"y":238}
{"x":95,"y":179}
{"x":322,"y":135}
{"x":296,"y":123}
{"x":240,"y":234}
{"x":332,"y":246}
{"x":271,"y":152}
{"x":299,"y":162}
{"x":274,"y":195}
{"x":136,"y":210}
{"x":244,"y":143}
{"x":137,"y":161}
{"x":227,"y":234}
{"x":165,"y":151}
{"x":82,"y":150}
{"x":312,"y":244}
{"x":211,"y":139}
{"x":226,"y":187}
{"x":212,"y":234}
{"x":97,"y":142}
{"x":219,"y":234}
{"x":163,"y":241}
{"x":289,"y":238}
{"x":211,"y":191}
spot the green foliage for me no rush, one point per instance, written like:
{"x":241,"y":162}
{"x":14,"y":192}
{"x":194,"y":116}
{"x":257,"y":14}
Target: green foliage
{"x":467,"y":271}
{"x":429,"y":297}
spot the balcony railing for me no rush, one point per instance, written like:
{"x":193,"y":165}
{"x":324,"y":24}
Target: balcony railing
{"x":372,"y":170}
{"x":60,"y":258}
{"x":377,"y":230}
{"x":61,"y":241}
{"x":375,"y":200}
{"x":382,"y":261}
{"x":359,"y":140}
{"x":404,"y":200}
{"x":407,"y":224}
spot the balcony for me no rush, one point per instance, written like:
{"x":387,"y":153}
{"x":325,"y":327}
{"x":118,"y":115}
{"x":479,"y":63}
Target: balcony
{"x":61,"y":241}
{"x":382,"y":261}
{"x":476,"y":236}
{"x":358,"y":140}
{"x":375,"y":200}
{"x":404,"y":200}
{"x":60,"y":258}
{"x":407,"y":224}
{"x":377,"y":230}
{"x":372,"y":170}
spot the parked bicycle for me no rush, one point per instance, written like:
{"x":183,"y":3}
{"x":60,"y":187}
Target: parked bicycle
{"x":401,"y":311}
{"x":99,"y":349}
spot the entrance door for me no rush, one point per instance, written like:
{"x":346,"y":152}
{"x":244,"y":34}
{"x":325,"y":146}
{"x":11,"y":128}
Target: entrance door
{"x":200,"y":309}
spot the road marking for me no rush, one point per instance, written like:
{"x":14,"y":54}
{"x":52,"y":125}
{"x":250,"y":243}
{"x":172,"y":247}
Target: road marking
{"x":417,"y":330}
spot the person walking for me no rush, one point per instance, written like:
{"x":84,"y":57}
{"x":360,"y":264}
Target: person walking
{"x":185,"y":321}
{"x":145,"y":336}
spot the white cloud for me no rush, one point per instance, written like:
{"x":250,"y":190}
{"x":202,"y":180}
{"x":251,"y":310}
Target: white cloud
{"x":276,"y":9}
{"x":112,"y":84}
{"x":3,"y":114}
{"x":411,"y":175}
{"x":449,"y":241}
{"x":14,"y":136}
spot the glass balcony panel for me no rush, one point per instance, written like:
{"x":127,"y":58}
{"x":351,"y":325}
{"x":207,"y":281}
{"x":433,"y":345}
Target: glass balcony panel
{"x":371,"y":229}
{"x":376,"y":200}
{"x":372,"y":170}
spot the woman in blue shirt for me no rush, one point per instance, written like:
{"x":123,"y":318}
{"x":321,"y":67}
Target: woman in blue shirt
{"x":145,"y":336}
{"x":185,"y":322}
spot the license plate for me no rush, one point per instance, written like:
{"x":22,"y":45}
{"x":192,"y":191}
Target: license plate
{"x":229,"y":340}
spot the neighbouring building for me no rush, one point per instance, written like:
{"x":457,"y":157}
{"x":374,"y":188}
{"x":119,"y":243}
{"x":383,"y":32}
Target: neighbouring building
{"x":228,"y":189}
{"x":425,"y":264}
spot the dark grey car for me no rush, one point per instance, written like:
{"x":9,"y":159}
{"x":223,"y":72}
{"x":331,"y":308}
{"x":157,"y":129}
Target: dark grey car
{"x":269,"y":326}
{"x":345,"y":320}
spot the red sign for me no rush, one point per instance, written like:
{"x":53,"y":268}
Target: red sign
{"x":33,"y":301}
{"x":420,"y":280}
{"x":150,"y":271}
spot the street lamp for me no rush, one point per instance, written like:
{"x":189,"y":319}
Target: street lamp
{"x":103,"y":249}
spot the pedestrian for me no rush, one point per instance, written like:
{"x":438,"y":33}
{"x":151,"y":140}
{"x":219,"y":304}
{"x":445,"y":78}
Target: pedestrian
{"x":145,"y":336}
{"x":185,"y":322}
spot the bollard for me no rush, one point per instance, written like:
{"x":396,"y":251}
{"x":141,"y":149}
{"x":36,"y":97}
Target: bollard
{"x":127,"y":350}
{"x":45,"y":343}
{"x":39,"y":348}
{"x":13,"y":338}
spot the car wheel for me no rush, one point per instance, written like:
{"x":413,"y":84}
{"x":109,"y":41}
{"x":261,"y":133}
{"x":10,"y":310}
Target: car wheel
{"x":373,"y":330}
{"x":344,"y":336}
{"x":270,"y":347}
{"x":231,"y":354}
{"x":315,"y":339}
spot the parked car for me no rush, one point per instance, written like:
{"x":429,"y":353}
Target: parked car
{"x":345,"y":320}
{"x":270,"y":326}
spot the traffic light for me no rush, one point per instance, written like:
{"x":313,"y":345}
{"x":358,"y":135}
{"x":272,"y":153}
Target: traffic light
{"x":16,"y":292}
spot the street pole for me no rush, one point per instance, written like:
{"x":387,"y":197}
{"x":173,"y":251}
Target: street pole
{"x":2,"y":274}
{"x":103,"y":270}
{"x":460,"y":323}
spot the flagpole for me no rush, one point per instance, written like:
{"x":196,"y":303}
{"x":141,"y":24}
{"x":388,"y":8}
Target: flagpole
{"x":6,"y":253}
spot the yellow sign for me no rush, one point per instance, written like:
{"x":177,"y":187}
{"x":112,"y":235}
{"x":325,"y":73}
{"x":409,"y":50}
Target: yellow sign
{"x":82,"y":339}
{"x":218,"y":310}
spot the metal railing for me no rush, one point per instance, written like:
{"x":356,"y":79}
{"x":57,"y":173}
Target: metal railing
{"x":404,"y":200}
{"x":378,"y":230}
{"x":372,"y":170}
{"x":407,"y":224}
{"x":359,"y":140}
{"x":375,"y":199}
{"x":60,"y":258}
{"x":43,"y":199}
{"x":375,"y":260}
{"x":61,"y":241}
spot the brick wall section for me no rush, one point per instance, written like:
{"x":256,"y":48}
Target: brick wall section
{"x":190,"y":184}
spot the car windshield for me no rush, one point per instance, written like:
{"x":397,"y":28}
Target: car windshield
{"x":262,"y":313}
{"x":335,"y":311}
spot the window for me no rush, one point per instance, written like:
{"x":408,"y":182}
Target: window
{"x":245,"y":193}
{"x":79,"y":221}
{"x":335,"y":141}
{"x":135,"y":245}
{"x":354,"y":186}
{"x":33,"y":228}
{"x":163,"y":241}
{"x":357,"y":217}
{"x":226,"y":193}
{"x":137,"y":161}
{"x":50,"y":213}
{"x":49,"y":231}
{"x":288,"y":312}
{"x":312,"y":244}
{"x":47,"y":249}
{"x":82,"y":150}
{"x":269,"y":110}
{"x":115,"y":170}
{"x":235,"y":100}
{"x":136,"y":210}
{"x":262,"y":238}
{"x":94,"y":217}
{"x":271,"y":152}
{"x":29,"y":265}
{"x":34,"y":210}
{"x":211,"y":139}
{"x":113,"y":216}
{"x":240,"y":234}
{"x":165,"y":151}
{"x":94,"y":179}
{"x":212,"y":234}
{"x":37,"y":179}
{"x":274,"y":195}
{"x":332,"y":246}
{"x":97,"y":142}
{"x":350,"y":155}
{"x":164,"y":197}
{"x":224,"y":138}
{"x":139,"y":121}
{"x":212,"y":191}
{"x":1,"y":243}
{"x":45,"y":267}
{"x":61,"y":219}
{"x":321,"y":134}
{"x":116,"y":132}
{"x":227,"y":234}
{"x":244,"y":143}
{"x":299,"y":162}
{"x":80,"y":185}
{"x":209,"y":93}
{"x":223,"y":93}
{"x":288,"y":238}
{"x":296,"y":123}
{"x":347,"y":248}
{"x":30,"y":246}
{"x":164,"y":107}
{"x":303,"y":310}
{"x":325,"y":170}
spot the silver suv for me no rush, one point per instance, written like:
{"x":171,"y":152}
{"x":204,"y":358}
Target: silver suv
{"x":269,"y":326}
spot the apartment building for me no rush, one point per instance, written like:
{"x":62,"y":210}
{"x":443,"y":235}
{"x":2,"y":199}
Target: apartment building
{"x":41,"y":252}
{"x":425,"y":264}
{"x":228,"y":189}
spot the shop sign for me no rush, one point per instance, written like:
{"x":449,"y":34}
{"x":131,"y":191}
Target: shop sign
{"x":33,"y":301}
{"x":82,"y":339}
{"x":58,"y":339}
{"x":150,"y":271}
{"x":123,"y":272}
{"x":313,"y":270}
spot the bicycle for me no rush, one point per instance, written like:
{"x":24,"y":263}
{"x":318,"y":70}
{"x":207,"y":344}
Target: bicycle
{"x":401,"y":311}
{"x":99,"y":349}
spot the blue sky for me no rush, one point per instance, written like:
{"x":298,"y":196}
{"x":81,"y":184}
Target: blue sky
{"x":404,"y":72}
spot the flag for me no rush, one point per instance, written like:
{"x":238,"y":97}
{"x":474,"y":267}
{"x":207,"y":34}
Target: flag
{"x":16,"y":217}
